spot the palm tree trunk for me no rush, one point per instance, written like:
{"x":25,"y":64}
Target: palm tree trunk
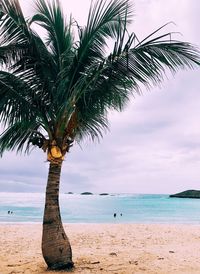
{"x":56,"y":248}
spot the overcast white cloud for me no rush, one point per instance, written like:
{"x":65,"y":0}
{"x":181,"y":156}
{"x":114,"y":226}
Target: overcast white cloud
{"x":153,"y":146}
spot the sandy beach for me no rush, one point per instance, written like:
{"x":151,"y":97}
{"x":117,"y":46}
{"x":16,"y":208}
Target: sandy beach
{"x":106,"y":248}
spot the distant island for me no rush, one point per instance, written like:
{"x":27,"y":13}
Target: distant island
{"x":69,"y":192}
{"x":103,"y":194}
{"x":86,"y":193}
{"x":187,"y":194}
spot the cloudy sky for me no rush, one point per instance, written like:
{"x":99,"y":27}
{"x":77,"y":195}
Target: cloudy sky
{"x":153,"y":146}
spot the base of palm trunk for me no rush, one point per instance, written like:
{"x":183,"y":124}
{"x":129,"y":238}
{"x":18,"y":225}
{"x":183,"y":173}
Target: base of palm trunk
{"x":61,"y":266}
{"x":56,"y":248}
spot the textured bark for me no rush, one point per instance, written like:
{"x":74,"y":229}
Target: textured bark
{"x":56,"y":248}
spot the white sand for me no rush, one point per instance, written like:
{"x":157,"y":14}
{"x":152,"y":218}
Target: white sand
{"x":106,"y":248}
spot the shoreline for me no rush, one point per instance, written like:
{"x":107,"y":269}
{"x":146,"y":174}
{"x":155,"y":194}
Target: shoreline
{"x":113,"y":223}
{"x":107,"y":248}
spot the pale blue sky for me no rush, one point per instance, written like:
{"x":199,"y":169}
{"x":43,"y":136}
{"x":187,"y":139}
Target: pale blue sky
{"x":153,"y":146}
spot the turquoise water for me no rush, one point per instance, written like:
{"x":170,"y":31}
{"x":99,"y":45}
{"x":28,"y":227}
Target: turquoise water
{"x":76,"y":208}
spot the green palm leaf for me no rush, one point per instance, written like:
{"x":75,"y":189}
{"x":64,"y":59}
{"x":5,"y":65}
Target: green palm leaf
{"x":67,"y":87}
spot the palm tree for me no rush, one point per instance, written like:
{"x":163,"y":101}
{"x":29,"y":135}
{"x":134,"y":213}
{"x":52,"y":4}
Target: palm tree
{"x":58,"y":89}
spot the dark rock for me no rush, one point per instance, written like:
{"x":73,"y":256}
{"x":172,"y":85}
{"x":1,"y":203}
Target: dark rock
{"x":187,"y":194}
{"x":87,"y":193}
{"x":133,"y":262}
{"x":103,"y":194}
{"x":69,"y":192}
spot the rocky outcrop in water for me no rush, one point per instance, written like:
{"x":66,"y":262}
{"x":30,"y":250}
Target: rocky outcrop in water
{"x":187,"y":194}
{"x":87,"y":193}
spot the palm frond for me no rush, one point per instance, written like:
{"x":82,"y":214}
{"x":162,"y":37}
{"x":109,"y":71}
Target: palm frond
{"x":67,"y":88}
{"x":21,"y":48}
{"x":103,"y":22}
{"x":17,"y":136}
{"x":91,"y":125}
{"x":108,"y":84}
{"x":12,"y":23}
{"x":17,"y":101}
{"x":50,"y":17}
{"x":147,"y":63}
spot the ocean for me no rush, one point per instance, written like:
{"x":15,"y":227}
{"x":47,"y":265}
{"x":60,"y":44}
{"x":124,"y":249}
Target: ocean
{"x":76,"y":208}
